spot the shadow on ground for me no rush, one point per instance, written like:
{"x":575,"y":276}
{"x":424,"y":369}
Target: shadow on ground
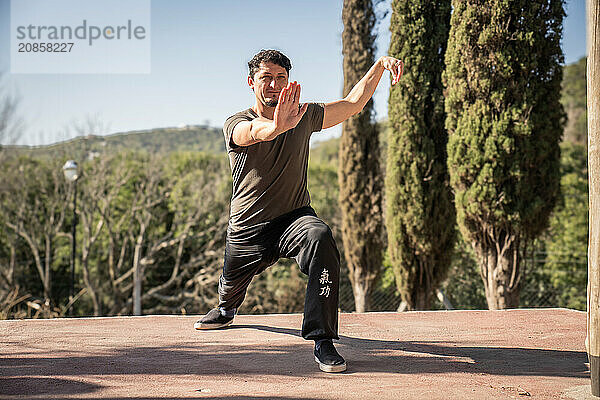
{"x":237,"y":397}
{"x":203,"y":359}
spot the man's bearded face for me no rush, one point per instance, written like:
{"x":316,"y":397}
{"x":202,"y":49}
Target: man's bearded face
{"x":268,"y":82}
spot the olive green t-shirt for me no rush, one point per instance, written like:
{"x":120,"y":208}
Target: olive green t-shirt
{"x":269,"y":178}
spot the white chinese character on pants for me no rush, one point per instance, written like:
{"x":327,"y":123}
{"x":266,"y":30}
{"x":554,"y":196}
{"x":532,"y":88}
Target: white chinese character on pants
{"x":324,"y":277}
{"x":324,"y":280}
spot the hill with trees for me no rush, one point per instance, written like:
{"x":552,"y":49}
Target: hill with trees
{"x":158,"y":141}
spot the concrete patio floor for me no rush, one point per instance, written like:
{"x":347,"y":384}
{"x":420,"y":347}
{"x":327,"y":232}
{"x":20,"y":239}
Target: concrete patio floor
{"x":512,"y":354}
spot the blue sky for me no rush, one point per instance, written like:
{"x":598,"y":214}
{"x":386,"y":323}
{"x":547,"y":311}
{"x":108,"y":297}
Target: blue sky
{"x":198,"y":66}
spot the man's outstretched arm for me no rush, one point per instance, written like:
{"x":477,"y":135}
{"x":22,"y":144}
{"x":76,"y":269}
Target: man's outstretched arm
{"x":339,"y":111}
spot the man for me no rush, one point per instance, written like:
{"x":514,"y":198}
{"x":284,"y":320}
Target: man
{"x":270,"y":215}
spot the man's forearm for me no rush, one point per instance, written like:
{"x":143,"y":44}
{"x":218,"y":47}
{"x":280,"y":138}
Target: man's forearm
{"x":263,"y":129}
{"x":340,"y":110}
{"x":364,"y":89}
{"x":247,"y":133}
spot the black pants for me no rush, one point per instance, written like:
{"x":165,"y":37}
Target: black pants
{"x":300,"y":235}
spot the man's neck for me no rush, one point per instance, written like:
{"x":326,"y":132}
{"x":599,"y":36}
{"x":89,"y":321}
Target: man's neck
{"x":263,"y":111}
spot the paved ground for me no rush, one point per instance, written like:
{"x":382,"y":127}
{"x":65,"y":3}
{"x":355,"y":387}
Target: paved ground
{"x":516,"y":354}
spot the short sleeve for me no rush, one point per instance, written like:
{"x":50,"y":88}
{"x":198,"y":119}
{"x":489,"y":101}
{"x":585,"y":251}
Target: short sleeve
{"x":317,"y":111}
{"x":228,"y":128}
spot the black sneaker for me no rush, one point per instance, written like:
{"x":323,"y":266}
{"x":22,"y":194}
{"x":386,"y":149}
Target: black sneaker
{"x":213,"y":320}
{"x":328,"y":358}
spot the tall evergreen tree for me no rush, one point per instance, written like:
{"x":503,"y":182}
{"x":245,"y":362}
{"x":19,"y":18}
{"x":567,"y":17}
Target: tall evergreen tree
{"x":359,"y":172}
{"x":504,"y":120}
{"x":420,"y":214}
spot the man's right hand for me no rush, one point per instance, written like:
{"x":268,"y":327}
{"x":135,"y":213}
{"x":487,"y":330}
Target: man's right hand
{"x":286,"y":116}
{"x":288,"y":112}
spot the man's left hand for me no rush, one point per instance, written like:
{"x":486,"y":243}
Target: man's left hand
{"x":395,"y":66}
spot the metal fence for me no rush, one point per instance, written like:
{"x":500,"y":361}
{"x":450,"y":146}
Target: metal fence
{"x":538,"y":290}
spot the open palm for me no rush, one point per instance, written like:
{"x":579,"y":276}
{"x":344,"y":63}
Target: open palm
{"x":288,"y":111}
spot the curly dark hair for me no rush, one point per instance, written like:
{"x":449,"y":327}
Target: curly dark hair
{"x":273,"y":56}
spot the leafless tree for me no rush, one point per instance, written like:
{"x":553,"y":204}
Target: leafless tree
{"x":33,"y":207}
{"x":100,"y":186}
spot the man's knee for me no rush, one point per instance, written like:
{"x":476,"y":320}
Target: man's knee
{"x":322,"y":236}
{"x":320,"y":233}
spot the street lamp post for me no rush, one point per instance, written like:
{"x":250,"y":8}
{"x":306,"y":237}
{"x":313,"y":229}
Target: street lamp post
{"x":71,"y":175}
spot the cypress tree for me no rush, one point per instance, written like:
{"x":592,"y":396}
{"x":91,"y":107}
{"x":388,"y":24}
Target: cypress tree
{"x":504,"y":119}
{"x":359,"y":172}
{"x":420,"y":216}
